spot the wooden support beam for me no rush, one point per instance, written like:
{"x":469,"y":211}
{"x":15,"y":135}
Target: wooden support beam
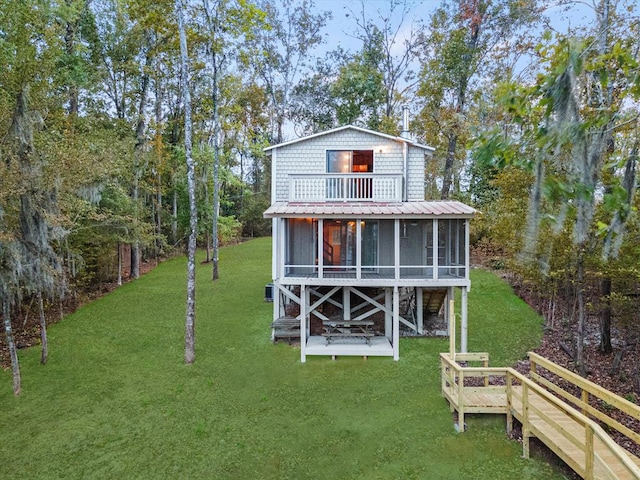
{"x":330,"y":300}
{"x":384,"y":308}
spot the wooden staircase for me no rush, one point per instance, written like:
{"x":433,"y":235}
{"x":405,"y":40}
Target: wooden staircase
{"x":432,"y":300}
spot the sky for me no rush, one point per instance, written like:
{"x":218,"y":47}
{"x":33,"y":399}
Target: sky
{"x":339,"y":31}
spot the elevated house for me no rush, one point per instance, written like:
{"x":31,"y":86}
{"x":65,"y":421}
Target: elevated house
{"x":354,"y":239}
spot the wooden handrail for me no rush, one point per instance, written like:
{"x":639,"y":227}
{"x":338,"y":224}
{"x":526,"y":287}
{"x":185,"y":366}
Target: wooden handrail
{"x":588,"y":388}
{"x":454,"y":375}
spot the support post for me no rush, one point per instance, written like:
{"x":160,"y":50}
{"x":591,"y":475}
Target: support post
{"x":388,"y":318}
{"x":526,"y":431}
{"x":320,"y":252}
{"x":303,"y":323}
{"x":588,"y":460}
{"x":419,"y":310}
{"x":396,"y":249}
{"x":396,"y":323}
{"x":509,"y":402}
{"x":346,"y":303}
{"x":463,"y":321}
{"x":461,"y":401}
{"x":452,"y":324}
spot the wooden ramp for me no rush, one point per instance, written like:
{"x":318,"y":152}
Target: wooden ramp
{"x":571,"y":433}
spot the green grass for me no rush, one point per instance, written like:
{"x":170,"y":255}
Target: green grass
{"x":116,"y":401}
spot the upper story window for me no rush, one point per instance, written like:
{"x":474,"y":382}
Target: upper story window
{"x":349,"y":161}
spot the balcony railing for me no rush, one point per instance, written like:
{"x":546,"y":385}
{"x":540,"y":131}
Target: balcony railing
{"x":345,"y":187}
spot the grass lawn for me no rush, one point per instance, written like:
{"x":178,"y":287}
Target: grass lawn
{"x":116,"y":401}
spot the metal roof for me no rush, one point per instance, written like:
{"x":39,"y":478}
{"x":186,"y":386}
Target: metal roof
{"x":352,"y":127}
{"x":444,"y":208}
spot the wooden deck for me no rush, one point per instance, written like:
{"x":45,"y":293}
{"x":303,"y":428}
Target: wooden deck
{"x":574,"y":437}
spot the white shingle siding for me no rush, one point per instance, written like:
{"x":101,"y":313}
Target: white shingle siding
{"x":309,"y":156}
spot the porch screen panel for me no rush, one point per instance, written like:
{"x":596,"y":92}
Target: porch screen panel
{"x":386,"y":268}
{"x":369,"y":246}
{"x":301,"y":247}
{"x":451,"y":249}
{"x":416,"y":248}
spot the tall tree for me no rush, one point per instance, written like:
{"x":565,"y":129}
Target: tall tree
{"x":189,"y":338}
{"x":390,"y":45}
{"x":225,"y":21}
{"x":26,"y":82}
{"x":570,"y":119}
{"x":358,"y":91}
{"x":282,"y":52}
{"x":312,"y":101}
{"x":464,"y":38}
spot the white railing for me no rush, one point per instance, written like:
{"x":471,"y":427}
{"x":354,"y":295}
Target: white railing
{"x":345,"y":187}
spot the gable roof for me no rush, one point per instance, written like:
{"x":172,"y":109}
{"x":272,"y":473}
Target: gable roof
{"x":352,"y":127}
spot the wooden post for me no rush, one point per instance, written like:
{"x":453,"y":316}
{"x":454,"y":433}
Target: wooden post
{"x":303,"y":323}
{"x":452,"y":326}
{"x":534,"y":367}
{"x":525,"y":420}
{"x":461,"y":401}
{"x":485,"y":364}
{"x":509,"y":402}
{"x":585,"y":400}
{"x":588,"y":452}
{"x":444,"y":376}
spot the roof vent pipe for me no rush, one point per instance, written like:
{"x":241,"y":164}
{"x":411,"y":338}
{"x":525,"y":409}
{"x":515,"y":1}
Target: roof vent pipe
{"x":405,"y":123}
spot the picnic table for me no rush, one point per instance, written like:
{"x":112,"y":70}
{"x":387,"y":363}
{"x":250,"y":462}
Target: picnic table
{"x":347,"y":328}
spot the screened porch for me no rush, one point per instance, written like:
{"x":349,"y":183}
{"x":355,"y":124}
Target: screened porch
{"x":371,"y":249}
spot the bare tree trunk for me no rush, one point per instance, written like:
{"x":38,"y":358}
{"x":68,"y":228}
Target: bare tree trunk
{"x":119,"y":263}
{"x":605,"y":317}
{"x":44,"y":356}
{"x":580,"y":359}
{"x":159,"y":199}
{"x":71,"y":28}
{"x":189,"y":340}
{"x":15,"y":365}
{"x":447,"y":176}
{"x":138,"y":151}
{"x":217,"y":61}
{"x":207,"y":240}
{"x":174,"y":217}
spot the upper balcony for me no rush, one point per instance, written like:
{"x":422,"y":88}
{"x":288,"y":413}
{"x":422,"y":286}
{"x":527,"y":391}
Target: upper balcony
{"x":345,"y":187}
